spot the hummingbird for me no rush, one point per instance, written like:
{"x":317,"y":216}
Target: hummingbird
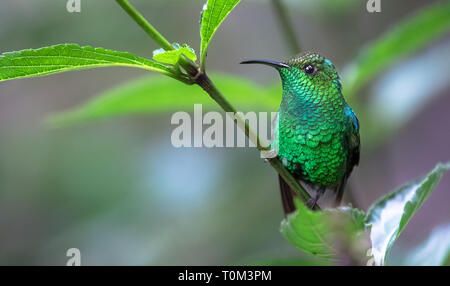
{"x":316,"y":133}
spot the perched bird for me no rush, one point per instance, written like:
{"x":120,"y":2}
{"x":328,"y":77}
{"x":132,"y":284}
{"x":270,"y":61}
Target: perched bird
{"x":316,"y":132}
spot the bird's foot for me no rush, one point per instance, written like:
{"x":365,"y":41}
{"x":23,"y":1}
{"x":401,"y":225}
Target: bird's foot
{"x":311,"y":203}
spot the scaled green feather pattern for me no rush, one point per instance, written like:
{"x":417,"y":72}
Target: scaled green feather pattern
{"x":317,"y":132}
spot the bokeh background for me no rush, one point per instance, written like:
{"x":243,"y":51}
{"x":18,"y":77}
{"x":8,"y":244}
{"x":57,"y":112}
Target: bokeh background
{"x":117,"y":189}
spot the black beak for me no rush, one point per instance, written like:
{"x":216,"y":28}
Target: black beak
{"x":274,"y":64}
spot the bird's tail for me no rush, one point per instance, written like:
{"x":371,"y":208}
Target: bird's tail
{"x":340,"y":192}
{"x":287,"y":197}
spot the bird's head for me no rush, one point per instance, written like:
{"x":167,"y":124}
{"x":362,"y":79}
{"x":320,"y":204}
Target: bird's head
{"x":308,"y":72}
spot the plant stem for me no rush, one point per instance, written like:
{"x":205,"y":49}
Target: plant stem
{"x":287,"y":26}
{"x":145,"y":25}
{"x":205,"y":82}
{"x":207,"y":85}
{"x":291,"y":181}
{"x":201,"y":79}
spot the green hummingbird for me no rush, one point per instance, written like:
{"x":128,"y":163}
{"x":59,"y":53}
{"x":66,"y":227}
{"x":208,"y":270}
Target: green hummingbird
{"x":316,"y":133}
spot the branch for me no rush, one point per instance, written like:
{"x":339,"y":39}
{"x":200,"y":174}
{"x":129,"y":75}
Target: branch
{"x":287,"y":26}
{"x":145,"y":25}
{"x":202,"y":79}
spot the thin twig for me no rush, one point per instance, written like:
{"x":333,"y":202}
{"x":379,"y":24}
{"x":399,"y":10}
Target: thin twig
{"x":145,"y":25}
{"x":205,"y":83}
{"x":287,"y":26}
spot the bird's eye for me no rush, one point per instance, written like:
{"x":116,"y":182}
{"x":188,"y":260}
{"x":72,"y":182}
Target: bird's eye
{"x":310,"y":69}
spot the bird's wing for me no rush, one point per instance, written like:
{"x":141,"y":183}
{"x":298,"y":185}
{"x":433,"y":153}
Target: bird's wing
{"x":353,"y":142}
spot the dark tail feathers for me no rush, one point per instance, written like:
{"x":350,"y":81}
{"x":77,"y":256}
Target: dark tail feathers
{"x":287,"y":197}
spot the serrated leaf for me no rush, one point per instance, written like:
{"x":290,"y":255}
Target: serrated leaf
{"x":159,"y":94}
{"x":405,"y":38}
{"x":68,"y":57}
{"x":214,"y":13}
{"x":317,"y":232}
{"x":390,"y":215}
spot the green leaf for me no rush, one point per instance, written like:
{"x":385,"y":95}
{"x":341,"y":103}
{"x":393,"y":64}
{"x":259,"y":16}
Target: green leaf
{"x":153,"y":94}
{"x":68,"y":57}
{"x":167,"y":57}
{"x":214,"y":13}
{"x":318,"y":233}
{"x":188,"y":52}
{"x":173,"y":56}
{"x":390,"y":215}
{"x":407,"y":37}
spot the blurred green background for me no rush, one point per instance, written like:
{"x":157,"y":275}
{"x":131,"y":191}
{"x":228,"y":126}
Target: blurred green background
{"x":117,"y":189}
